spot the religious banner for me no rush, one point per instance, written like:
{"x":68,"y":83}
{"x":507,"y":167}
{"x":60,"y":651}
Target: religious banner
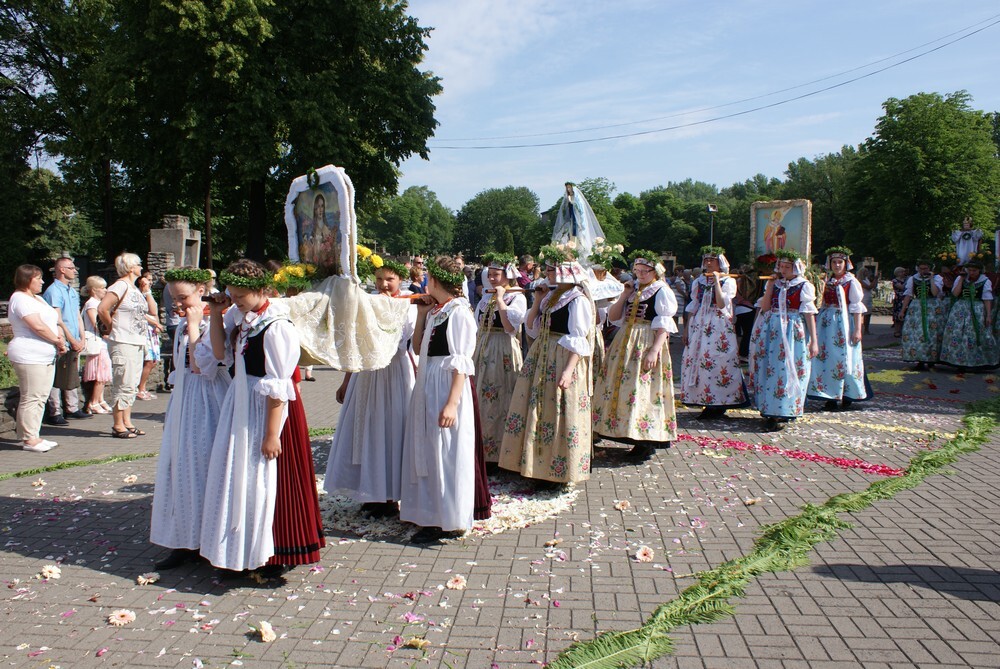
{"x":781,"y":225}
{"x":321,"y":223}
{"x":339,"y":324}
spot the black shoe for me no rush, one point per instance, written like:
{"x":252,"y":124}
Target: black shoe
{"x":427,"y":535}
{"x":662,"y":445}
{"x":641,"y":452}
{"x":77,"y":415}
{"x":921,"y":367}
{"x":177,"y":557}
{"x":309,"y":378}
{"x":831,"y":405}
{"x":845,"y":405}
{"x":230,"y":575}
{"x":706,"y":414}
{"x":379,"y":509}
{"x":772,"y":424}
{"x":271,"y":571}
{"x":56,"y":420}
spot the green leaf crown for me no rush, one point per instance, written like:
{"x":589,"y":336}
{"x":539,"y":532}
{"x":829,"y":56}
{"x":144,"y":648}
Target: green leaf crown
{"x":645,"y":254}
{"x":229,"y":279}
{"x":441,"y":275}
{"x":501,"y":259}
{"x":187,"y":275}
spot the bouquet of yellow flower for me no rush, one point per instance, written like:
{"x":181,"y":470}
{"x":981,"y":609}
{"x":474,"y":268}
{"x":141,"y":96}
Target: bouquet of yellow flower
{"x":368,"y":262}
{"x":294,"y":277}
{"x":948,"y":258}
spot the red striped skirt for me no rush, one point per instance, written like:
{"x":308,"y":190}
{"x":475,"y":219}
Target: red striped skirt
{"x":298,"y":527}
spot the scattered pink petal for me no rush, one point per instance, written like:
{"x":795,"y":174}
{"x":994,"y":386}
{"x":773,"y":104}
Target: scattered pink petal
{"x":100,"y":652}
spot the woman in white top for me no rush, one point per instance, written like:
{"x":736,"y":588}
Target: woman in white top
{"x":125,"y":311}
{"x":32,"y":352}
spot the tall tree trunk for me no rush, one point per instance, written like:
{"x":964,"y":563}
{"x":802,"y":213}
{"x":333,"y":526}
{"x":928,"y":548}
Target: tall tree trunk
{"x":256,"y":221}
{"x":208,"y":220}
{"x":109,"y":237}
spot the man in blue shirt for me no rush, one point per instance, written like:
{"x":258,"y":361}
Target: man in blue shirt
{"x":66,"y":301}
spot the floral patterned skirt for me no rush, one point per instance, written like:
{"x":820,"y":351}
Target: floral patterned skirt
{"x":631,"y":403}
{"x":773,"y":391}
{"x":829,"y":378}
{"x":498,"y":364}
{"x":548,"y":434}
{"x":967,"y":341}
{"x":710,"y":367}
{"x":918,"y":345}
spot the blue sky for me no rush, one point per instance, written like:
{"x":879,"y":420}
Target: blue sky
{"x":541,"y":67}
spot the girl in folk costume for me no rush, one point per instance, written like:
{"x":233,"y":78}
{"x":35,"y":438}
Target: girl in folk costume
{"x":605,"y":290}
{"x":200,"y":385}
{"x":548,"y":435}
{"x":437,"y":491}
{"x":924,"y":304}
{"x":297,"y":527}
{"x":634,"y":395}
{"x":968,"y":337}
{"x":782,"y":344}
{"x":500,"y":315}
{"x":366,"y":457}
{"x":838,"y":372}
{"x":710,"y":369}
{"x":242,"y":482}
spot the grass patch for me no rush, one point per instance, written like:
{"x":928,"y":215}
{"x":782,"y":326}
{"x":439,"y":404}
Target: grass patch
{"x":781,"y":547}
{"x":893,"y":376}
{"x":75,"y":463}
{"x":321,"y":431}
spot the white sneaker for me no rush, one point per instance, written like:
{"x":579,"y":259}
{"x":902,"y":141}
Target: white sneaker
{"x":43,"y":446}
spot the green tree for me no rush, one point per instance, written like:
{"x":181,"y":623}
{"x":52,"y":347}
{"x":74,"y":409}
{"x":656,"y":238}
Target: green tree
{"x":480,"y":223}
{"x":931,"y":161}
{"x":414,"y":222}
{"x":824,"y":181}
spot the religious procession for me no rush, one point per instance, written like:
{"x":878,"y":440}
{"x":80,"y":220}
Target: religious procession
{"x":464,"y":375}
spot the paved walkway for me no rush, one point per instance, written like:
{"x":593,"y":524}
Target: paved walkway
{"x":914,"y":583}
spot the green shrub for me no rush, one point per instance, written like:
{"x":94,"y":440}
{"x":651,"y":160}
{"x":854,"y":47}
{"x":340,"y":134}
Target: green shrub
{"x":8,"y":379}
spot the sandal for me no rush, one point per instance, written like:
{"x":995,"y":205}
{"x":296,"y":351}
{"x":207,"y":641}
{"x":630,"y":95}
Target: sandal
{"x":96,"y":408}
{"x":122,"y":434}
{"x":134,"y":430}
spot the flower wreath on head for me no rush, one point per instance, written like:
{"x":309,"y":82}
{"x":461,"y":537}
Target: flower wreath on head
{"x":443,"y":276}
{"x":397,"y":268}
{"x":719,"y":254}
{"x":295,"y":276}
{"x":648,"y":258}
{"x":188,"y":275}
{"x":792,"y":257}
{"x":230,"y":280}
{"x":839,"y":252}
{"x":503,"y":261}
{"x":605,"y":254}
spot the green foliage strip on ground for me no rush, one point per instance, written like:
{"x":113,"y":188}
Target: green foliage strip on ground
{"x":76,"y":463}
{"x":781,"y":547}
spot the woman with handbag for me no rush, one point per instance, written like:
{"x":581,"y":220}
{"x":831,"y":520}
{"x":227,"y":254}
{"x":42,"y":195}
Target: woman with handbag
{"x":97,"y":369}
{"x":32,"y":351}
{"x":124,"y":311}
